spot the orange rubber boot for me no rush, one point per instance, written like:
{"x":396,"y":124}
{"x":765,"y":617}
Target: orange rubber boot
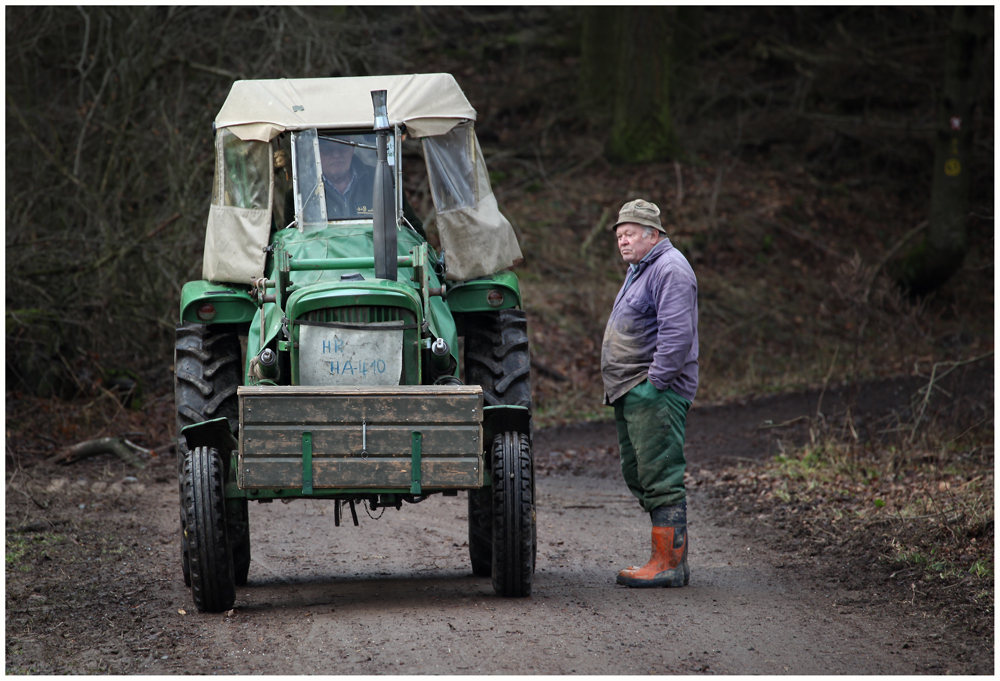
{"x":667,"y":565}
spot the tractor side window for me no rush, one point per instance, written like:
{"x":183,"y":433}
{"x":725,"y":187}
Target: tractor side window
{"x":310,"y":204}
{"x":239,"y":219}
{"x":451,"y":165}
{"x":243,"y":173}
{"x":475,"y":235}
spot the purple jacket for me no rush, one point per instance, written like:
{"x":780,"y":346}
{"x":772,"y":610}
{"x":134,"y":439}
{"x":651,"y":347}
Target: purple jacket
{"x":653,"y":328}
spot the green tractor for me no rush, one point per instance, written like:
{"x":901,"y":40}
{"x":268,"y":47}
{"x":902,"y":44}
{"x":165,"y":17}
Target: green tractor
{"x":318,"y":358}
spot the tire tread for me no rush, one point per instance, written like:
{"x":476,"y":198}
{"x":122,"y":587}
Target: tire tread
{"x":514,"y":524}
{"x":209,"y":556}
{"x":497,"y":358}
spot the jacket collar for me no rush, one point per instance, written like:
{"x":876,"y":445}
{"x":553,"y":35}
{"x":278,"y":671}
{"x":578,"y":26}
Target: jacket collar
{"x":634,"y":271}
{"x":662,"y":246}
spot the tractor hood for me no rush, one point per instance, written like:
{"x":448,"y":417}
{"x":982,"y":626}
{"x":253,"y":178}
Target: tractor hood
{"x":325,"y":288}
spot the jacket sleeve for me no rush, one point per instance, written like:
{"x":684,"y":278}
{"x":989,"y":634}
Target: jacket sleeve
{"x":675,"y":299}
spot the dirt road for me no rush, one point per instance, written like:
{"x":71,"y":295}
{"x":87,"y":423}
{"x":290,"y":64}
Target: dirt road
{"x":97,"y":586}
{"x":396,"y":596}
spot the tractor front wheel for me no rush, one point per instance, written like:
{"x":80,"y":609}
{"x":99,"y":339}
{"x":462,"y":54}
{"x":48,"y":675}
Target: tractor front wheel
{"x":210,"y":558}
{"x":513,"y":515}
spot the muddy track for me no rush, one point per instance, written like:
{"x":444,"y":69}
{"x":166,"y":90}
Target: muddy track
{"x":100,"y":589}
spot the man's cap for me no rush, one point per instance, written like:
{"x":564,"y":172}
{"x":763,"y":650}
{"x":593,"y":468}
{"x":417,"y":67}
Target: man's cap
{"x":641,"y":213}
{"x":331,"y":144}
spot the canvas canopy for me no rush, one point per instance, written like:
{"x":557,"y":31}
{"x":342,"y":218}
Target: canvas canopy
{"x":426,"y":103}
{"x":476,"y":238}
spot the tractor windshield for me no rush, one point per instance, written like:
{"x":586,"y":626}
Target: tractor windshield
{"x":335,"y":175}
{"x":348,"y":175}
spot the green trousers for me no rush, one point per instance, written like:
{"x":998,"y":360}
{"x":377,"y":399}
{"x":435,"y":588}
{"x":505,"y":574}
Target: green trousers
{"x":650,"y":425}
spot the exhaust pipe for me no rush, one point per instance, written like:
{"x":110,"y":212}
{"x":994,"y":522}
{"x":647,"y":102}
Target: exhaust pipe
{"x":383,"y":200}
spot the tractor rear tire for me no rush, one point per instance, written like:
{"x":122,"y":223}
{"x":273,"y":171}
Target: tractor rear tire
{"x":207,"y":372}
{"x":481,"y":531}
{"x":210,"y":559}
{"x":513,"y":515}
{"x":497,"y":358}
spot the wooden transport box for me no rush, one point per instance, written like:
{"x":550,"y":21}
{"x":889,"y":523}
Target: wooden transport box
{"x":317,"y":437}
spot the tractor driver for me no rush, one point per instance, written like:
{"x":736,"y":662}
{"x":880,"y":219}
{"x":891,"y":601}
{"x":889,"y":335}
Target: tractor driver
{"x":347,"y":181}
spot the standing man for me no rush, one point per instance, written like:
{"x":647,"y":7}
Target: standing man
{"x":649,"y":363}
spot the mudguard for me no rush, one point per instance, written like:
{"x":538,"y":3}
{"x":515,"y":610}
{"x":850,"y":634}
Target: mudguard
{"x":233,"y":304}
{"x":471,"y":296}
{"x":214,"y":433}
{"x":501,"y":418}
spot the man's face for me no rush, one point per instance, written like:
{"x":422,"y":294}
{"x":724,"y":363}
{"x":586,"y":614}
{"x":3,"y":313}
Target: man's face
{"x":336,"y":159}
{"x":633,"y":243}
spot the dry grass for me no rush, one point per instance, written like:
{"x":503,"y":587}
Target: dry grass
{"x":908,"y":515}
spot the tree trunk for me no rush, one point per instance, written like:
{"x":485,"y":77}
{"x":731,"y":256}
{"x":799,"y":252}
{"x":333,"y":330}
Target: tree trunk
{"x":941,"y":252}
{"x":642,"y":127}
{"x":598,"y":62}
{"x":684,"y":50}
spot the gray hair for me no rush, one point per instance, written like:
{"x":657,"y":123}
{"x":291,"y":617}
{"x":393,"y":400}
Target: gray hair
{"x":649,"y":231}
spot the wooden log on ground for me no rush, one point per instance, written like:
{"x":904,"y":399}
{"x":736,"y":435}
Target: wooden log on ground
{"x":123,"y":449}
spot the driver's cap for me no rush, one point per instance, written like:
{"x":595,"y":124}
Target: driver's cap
{"x":641,"y":213}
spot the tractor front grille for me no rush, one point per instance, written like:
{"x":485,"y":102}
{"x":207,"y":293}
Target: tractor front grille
{"x":361,"y":314}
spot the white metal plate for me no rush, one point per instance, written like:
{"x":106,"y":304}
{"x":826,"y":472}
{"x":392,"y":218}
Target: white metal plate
{"x":343,"y":357}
